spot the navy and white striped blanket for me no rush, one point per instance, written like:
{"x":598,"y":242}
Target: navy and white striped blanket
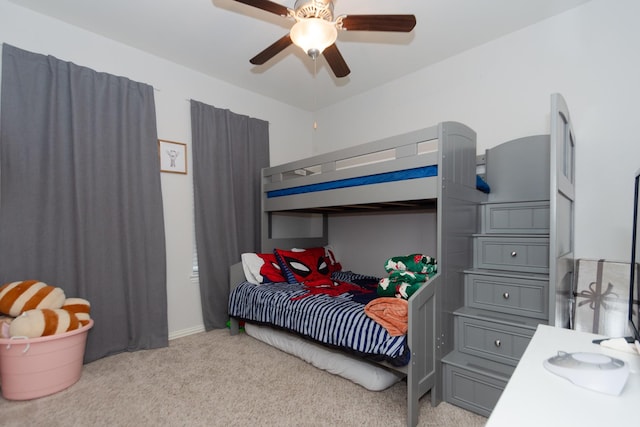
{"x":337,"y":321}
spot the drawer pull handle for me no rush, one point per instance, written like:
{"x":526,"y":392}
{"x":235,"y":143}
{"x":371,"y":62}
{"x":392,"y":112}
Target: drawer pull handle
{"x":497,"y":343}
{"x":505,"y":295}
{"x":514,"y":254}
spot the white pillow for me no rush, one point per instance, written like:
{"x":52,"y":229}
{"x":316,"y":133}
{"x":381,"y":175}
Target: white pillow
{"x":250,"y":265}
{"x":261,"y":268}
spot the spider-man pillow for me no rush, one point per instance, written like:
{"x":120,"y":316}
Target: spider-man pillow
{"x":261,"y":268}
{"x":328,"y":251}
{"x":309,"y":266}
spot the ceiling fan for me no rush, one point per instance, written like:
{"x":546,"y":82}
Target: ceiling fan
{"x":316,"y":31}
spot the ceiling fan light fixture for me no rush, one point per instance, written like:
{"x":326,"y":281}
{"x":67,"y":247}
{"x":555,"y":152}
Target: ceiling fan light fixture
{"x":313,"y":35}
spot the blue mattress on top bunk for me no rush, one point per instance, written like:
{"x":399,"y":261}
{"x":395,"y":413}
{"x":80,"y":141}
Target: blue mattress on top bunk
{"x":403,"y":175}
{"x":338,"y":321}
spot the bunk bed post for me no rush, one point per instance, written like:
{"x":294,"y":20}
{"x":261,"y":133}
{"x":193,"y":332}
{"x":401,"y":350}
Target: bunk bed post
{"x":458,"y":220}
{"x":265,"y":228}
{"x":431,"y":328}
{"x":561,"y":227}
{"x":421,"y":374}
{"x":236,"y":276}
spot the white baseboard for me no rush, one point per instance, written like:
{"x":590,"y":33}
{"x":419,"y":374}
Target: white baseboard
{"x":184,"y":332}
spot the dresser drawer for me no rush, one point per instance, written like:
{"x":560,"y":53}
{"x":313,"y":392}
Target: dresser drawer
{"x":524,"y":296}
{"x":474,"y":384}
{"x":513,"y":253}
{"x":471,"y":390}
{"x":521,"y":217}
{"x":494,"y":341}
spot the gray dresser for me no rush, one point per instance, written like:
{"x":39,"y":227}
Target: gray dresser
{"x":506,"y":296}
{"x":520,"y":275}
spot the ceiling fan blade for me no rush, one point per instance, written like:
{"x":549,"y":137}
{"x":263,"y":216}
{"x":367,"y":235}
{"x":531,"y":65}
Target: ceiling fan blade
{"x":272,"y":50}
{"x":267,"y":5}
{"x":336,"y":61}
{"x":397,"y":23}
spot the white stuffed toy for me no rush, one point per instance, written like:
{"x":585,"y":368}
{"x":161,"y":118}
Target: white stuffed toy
{"x":42,"y":322}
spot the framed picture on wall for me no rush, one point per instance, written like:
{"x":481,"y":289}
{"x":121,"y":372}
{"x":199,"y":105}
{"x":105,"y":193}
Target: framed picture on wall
{"x":173,"y":156}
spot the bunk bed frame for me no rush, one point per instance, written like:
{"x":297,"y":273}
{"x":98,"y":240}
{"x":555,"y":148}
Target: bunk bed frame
{"x":452,"y":191}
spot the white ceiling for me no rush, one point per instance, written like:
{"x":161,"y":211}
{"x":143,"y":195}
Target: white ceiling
{"x":217,"y":38}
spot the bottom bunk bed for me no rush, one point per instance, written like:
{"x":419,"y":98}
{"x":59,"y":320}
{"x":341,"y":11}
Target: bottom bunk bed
{"x":278,"y":314}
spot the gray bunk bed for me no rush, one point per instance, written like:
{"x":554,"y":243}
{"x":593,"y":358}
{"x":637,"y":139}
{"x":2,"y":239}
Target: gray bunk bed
{"x":324,"y":184}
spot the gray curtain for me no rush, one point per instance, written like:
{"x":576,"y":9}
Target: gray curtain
{"x":80,"y":197}
{"x":229,"y":151}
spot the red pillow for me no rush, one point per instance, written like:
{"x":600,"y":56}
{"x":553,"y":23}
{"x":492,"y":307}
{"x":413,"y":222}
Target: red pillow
{"x":262,"y":268}
{"x":308,"y":265}
{"x":328,"y":252}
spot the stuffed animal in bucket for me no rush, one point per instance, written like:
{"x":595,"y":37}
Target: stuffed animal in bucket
{"x":35,"y":309}
{"x":42,"y":322}
{"x":80,"y":307}
{"x":17,"y":297}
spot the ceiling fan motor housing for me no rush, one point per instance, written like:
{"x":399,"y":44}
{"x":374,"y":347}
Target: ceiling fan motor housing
{"x":322,"y":9}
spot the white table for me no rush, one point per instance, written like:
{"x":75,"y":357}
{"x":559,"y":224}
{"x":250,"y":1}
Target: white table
{"x":535,"y":397}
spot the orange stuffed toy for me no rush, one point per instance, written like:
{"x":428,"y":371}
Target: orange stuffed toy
{"x":17,"y":297}
{"x":80,"y":307}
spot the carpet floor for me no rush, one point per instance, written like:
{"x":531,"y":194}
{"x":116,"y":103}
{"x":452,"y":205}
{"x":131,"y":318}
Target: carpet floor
{"x":215,"y":379}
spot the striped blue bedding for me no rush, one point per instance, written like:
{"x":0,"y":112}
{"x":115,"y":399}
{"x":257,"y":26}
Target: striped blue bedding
{"x":335,"y":321}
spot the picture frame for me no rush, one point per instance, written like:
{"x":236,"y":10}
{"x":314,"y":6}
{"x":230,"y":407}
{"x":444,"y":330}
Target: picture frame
{"x":173,"y":156}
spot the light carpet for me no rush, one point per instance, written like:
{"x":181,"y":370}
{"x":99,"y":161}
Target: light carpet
{"x":215,"y":379}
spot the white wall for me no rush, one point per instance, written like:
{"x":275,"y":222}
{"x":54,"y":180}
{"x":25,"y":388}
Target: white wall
{"x":363,"y":242}
{"x":289,"y":134}
{"x":591,"y":55}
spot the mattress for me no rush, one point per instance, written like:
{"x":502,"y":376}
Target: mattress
{"x":337,"y":321}
{"x":401,"y":175}
{"x":369,"y":376}
{"x":421,"y":172}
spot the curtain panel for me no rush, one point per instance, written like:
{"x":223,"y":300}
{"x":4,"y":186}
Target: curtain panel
{"x":229,"y":152}
{"x":80,"y":196}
